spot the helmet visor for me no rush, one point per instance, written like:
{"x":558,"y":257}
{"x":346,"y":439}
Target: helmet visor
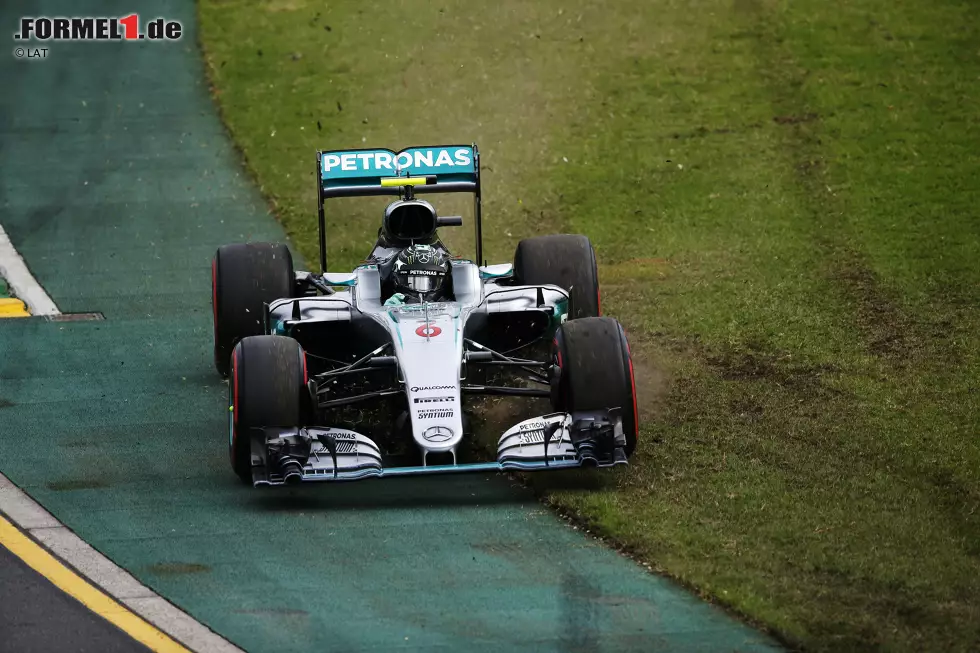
{"x":421,"y":283}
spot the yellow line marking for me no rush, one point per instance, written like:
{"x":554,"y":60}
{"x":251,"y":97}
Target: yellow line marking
{"x":74,"y":585}
{"x":10,"y":307}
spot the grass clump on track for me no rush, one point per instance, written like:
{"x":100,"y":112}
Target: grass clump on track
{"x":783,"y":202}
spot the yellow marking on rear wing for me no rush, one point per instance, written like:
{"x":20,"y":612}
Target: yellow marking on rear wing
{"x":408,"y":181}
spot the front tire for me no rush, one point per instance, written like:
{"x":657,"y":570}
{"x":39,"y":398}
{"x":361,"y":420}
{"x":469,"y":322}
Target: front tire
{"x":267,"y":388}
{"x":564,"y":260}
{"x":595,"y":371}
{"x":244,"y":277}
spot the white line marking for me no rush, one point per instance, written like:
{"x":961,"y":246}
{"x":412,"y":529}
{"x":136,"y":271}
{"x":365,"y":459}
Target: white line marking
{"x":25,"y":286}
{"x":105,"y":574}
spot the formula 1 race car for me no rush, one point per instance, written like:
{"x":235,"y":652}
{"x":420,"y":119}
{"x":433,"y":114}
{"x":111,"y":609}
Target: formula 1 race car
{"x":317,"y":362}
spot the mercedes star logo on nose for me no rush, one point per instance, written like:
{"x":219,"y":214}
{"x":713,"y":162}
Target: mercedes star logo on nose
{"x":437,"y":433}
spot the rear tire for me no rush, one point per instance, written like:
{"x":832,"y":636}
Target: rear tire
{"x":564,"y":260}
{"x":245,"y":276}
{"x":596,"y":371}
{"x":267,"y":388}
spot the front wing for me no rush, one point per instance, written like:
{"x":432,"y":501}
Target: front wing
{"x":556,"y":441}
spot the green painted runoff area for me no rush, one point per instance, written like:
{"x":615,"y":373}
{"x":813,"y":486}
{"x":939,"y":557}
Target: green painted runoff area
{"x":118,"y":184}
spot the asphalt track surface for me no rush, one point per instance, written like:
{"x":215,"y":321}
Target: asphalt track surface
{"x":118,"y":183}
{"x":37,"y":617}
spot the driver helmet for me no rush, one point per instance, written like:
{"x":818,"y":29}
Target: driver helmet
{"x":421,"y":273}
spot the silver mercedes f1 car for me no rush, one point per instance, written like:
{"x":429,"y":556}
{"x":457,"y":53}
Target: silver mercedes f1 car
{"x":345,"y":376}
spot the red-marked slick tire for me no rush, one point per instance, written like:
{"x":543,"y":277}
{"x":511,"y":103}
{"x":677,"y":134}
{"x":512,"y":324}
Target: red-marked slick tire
{"x":267,"y":387}
{"x":595,"y":371}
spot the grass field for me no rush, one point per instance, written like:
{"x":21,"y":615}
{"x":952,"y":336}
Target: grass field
{"x":783,"y":200}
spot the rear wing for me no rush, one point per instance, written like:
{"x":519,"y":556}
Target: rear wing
{"x":414,"y":170}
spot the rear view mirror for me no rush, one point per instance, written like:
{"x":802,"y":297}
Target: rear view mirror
{"x":340,"y":278}
{"x":496,"y":271}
